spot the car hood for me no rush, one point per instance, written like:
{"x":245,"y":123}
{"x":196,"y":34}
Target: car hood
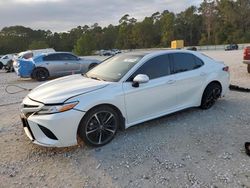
{"x":59,"y":90}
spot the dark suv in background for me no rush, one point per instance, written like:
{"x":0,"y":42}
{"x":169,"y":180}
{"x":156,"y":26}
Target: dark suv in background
{"x":232,"y":47}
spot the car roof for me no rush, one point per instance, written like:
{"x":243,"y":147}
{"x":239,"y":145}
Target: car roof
{"x":52,"y":53}
{"x":49,"y":53}
{"x":158,"y":52}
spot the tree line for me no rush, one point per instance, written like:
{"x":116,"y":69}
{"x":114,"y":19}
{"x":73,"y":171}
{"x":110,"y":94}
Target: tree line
{"x":212,"y":22}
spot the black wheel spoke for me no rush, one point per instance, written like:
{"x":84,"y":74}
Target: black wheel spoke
{"x":211,"y":94}
{"x":96,"y":117}
{"x":216,"y":93}
{"x":109,"y":130}
{"x":101,"y":127}
{"x":109,"y":118}
{"x":92,"y":131}
{"x":100,"y":138}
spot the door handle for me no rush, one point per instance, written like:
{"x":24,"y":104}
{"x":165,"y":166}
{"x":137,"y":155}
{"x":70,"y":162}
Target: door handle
{"x":170,"y":81}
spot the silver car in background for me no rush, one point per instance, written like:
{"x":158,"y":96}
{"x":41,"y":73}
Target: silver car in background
{"x":54,"y":64}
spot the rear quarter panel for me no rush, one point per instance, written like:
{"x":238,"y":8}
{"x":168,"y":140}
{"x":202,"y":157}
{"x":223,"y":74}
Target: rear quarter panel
{"x":216,"y":73}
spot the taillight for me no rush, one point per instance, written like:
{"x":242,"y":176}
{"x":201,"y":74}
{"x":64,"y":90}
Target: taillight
{"x":226,"y":68}
{"x":246,"y":53}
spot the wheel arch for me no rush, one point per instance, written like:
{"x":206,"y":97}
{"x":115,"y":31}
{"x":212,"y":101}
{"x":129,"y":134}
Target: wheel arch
{"x":121,"y":117}
{"x":1,"y":65}
{"x":92,"y":65}
{"x":209,"y":83}
{"x":32,"y":73}
{"x":214,"y":81}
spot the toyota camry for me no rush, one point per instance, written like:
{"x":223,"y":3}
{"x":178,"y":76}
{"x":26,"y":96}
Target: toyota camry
{"x":123,"y":91}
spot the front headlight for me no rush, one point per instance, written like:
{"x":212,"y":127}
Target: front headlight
{"x":51,"y":109}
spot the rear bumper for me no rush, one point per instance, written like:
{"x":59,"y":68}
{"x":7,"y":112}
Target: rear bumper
{"x":22,"y":74}
{"x":23,"y":68}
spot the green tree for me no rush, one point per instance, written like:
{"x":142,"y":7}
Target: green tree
{"x":85,"y":45}
{"x":167,"y":23}
{"x":38,"y":45}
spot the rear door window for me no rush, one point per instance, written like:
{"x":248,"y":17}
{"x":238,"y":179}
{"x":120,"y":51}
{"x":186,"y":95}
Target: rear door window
{"x":52,"y":57}
{"x":182,"y":62}
{"x":198,"y":62}
{"x":68,"y":57}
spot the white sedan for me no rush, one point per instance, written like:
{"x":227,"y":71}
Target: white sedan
{"x":123,"y":91}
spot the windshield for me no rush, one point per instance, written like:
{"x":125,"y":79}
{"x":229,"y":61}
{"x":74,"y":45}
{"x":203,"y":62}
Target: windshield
{"x":115,"y":68}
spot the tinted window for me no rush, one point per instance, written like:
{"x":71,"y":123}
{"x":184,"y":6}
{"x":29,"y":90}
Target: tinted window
{"x":52,"y":57}
{"x":185,"y":62}
{"x":198,"y":62}
{"x":154,"y":68}
{"x":68,"y":57}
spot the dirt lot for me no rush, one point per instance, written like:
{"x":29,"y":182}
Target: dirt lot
{"x":192,"y":148}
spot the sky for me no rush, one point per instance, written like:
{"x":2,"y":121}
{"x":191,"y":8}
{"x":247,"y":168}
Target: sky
{"x":63,"y":15}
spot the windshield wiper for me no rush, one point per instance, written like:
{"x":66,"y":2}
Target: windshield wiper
{"x":93,"y":77}
{"x":85,"y":75}
{"x":96,"y":78}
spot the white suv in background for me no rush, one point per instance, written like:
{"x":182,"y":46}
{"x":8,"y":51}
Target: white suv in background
{"x":5,"y":59}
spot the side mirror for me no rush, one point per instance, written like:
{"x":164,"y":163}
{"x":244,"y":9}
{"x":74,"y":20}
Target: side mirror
{"x":140,"y":79}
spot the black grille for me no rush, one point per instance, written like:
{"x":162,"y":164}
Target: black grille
{"x":28,"y":114}
{"x":30,"y":106}
{"x":26,"y":124}
{"x":48,"y":133}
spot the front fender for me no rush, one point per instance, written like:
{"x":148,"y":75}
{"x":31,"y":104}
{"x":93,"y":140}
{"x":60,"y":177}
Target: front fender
{"x":102,"y":96}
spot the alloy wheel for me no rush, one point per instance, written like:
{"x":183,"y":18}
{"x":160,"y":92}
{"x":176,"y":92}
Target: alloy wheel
{"x":212,"y":97}
{"x":101,"y":128}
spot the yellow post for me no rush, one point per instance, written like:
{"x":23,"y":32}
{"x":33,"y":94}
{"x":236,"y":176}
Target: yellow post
{"x":177,"y":44}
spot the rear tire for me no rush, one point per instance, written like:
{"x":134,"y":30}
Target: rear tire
{"x":9,"y":66}
{"x":248,"y":68}
{"x":210,"y":95}
{"x":40,"y":74}
{"x":1,"y":65}
{"x":247,"y":147}
{"x":99,"y":126}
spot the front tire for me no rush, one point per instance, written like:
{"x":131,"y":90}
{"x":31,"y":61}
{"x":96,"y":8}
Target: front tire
{"x":210,"y":95}
{"x":1,"y":65}
{"x":99,"y":126}
{"x":40,"y":74}
{"x":9,"y":66}
{"x":248,"y":68}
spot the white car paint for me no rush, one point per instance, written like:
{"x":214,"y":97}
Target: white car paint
{"x":57,"y":92}
{"x":6,"y":58}
{"x":156,"y":98}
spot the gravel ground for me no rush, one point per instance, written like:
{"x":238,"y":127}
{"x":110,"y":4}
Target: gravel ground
{"x":192,"y":148}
